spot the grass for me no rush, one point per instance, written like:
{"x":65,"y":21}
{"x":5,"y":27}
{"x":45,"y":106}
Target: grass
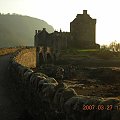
{"x":5,"y":51}
{"x":27,"y":57}
{"x":79,"y":51}
{"x":89,"y":53}
{"x":88,"y":50}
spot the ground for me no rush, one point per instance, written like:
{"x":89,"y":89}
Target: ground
{"x":11,"y":106}
{"x":100,"y":82}
{"x":8,"y":108}
{"x":88,"y":81}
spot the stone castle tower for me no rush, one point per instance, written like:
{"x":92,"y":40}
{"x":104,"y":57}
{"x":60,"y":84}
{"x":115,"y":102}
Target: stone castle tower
{"x":82,"y":29}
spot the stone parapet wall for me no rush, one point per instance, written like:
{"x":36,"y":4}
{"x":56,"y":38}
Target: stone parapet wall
{"x":45,"y":99}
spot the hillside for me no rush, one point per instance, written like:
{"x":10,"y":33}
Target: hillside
{"x":18,"y":30}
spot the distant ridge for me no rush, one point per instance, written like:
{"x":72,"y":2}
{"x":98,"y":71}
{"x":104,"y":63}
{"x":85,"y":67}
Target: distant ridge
{"x":18,"y":30}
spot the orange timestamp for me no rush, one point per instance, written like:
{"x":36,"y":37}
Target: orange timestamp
{"x":100,"y":107}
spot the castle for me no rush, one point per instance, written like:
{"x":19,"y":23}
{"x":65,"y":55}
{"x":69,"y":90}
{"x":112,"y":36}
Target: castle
{"x":81,"y":35}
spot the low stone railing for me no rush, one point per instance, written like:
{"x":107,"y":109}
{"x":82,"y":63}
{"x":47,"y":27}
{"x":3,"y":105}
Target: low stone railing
{"x":46,"y":99}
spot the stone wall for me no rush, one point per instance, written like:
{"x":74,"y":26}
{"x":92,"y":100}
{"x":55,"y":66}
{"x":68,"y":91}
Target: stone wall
{"x":45,"y":99}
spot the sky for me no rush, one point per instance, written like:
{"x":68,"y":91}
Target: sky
{"x":59,"y":14}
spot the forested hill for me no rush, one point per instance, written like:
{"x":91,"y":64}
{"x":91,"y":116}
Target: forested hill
{"x":18,"y":30}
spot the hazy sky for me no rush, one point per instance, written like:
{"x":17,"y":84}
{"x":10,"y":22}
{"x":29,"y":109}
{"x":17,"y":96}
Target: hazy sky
{"x":59,"y":14}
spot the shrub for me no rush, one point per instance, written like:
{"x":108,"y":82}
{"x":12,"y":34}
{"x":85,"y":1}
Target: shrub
{"x":105,"y":54}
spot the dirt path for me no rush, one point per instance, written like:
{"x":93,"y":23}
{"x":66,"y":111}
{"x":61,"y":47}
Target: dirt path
{"x":9,"y":109}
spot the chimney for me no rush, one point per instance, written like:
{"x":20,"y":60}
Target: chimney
{"x":35,"y":32}
{"x":44,"y":29}
{"x":39,"y":31}
{"x":84,"y":11}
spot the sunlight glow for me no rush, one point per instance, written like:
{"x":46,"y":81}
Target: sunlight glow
{"x":59,"y":14}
